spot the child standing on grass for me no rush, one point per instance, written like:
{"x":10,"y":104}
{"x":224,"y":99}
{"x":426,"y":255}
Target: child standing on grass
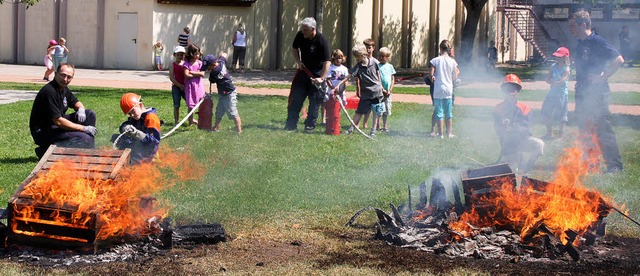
{"x":176,"y":75}
{"x":48,"y":59}
{"x":193,"y":89}
{"x":369,"y":87}
{"x":387,"y":73}
{"x":157,"y":55}
{"x":337,"y":72}
{"x":554,"y":107}
{"x":141,"y":132}
{"x":228,"y":97}
{"x":444,"y":70}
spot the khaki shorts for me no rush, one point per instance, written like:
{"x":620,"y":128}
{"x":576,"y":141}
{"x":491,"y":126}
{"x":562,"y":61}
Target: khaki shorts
{"x":227,"y":104}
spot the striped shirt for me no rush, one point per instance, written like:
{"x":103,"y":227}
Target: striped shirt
{"x":183,"y":40}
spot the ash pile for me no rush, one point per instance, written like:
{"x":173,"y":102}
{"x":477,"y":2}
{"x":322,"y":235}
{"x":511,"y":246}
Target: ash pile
{"x":131,"y":248}
{"x":498,"y":219}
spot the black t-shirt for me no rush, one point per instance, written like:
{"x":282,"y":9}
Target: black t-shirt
{"x":313,"y":52}
{"x":50,"y":104}
{"x":592,"y":55}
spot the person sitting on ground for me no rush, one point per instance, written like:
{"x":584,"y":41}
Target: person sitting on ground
{"x":140,"y":132}
{"x":48,"y":122}
{"x":228,"y":97}
{"x":512,"y":123}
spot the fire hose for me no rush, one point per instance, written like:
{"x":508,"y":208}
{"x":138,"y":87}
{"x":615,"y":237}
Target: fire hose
{"x":319,"y":87}
{"x":408,"y":77}
{"x":193,"y":110}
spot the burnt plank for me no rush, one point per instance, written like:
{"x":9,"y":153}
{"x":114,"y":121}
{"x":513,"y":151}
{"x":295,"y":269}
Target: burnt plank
{"x":85,"y":159}
{"x":88,"y":152}
{"x":82,"y":167}
{"x":122,"y":161}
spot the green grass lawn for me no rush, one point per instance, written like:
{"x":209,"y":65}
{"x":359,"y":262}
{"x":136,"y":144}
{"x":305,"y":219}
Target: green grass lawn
{"x":317,"y":180}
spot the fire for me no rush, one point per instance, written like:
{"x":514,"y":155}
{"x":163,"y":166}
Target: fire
{"x":119,"y":207}
{"x":564,"y":204}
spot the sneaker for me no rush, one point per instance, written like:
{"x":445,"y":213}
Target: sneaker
{"x":309,"y":129}
{"x":433,"y":135}
{"x":451,"y":135}
{"x":372,"y":133}
{"x":441,"y":136}
{"x":350,"y":130}
{"x":385,"y":129}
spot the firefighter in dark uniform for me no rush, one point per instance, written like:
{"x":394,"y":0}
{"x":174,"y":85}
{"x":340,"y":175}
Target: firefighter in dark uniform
{"x":595,"y":61}
{"x":50,"y":125}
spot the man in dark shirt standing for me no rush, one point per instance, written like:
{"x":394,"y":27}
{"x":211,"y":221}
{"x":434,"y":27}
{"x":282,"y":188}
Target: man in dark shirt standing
{"x":595,"y":61}
{"x":313,"y":56}
{"x":48,"y":122}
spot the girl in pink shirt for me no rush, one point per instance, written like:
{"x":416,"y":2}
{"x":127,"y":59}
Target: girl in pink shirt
{"x":193,"y":89}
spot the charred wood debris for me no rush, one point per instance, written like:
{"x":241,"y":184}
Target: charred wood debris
{"x":165,"y":236}
{"x":425,"y":225}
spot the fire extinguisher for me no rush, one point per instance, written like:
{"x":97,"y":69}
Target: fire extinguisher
{"x":205,"y":112}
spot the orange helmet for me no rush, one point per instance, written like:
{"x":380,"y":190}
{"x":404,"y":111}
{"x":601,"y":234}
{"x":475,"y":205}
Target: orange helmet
{"x":513,"y":79}
{"x":129,"y":101}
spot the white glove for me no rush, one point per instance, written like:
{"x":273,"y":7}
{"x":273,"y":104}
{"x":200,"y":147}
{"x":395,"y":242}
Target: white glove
{"x":91,"y":130}
{"x":128,"y":129}
{"x":138,"y":135}
{"x":82,"y":116}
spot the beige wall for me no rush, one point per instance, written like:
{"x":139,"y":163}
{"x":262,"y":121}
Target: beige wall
{"x":39,"y":30}
{"x":212,"y":29}
{"x":81,"y":32}
{"x":6,"y":32}
{"x":420,"y":43}
{"x":144,"y":29}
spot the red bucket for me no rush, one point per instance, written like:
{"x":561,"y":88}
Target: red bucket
{"x":352,"y":102}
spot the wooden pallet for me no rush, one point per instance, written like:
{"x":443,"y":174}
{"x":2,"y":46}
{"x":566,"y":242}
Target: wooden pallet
{"x":91,"y":163}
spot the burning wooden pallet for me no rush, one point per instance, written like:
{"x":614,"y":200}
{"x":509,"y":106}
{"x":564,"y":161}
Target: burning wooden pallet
{"x":31,"y":220}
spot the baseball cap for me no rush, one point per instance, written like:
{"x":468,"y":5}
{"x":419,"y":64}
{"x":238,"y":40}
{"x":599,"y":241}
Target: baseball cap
{"x":561,"y":52}
{"x":53,"y":42}
{"x":208,"y":60}
{"x":179,"y":49}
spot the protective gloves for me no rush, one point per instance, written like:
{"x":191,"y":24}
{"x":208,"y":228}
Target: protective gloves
{"x":133,"y":132}
{"x":91,"y":130}
{"x":82,"y":116}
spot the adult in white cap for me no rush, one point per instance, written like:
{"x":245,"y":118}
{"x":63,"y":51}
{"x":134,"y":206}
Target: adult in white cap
{"x":313,"y":57}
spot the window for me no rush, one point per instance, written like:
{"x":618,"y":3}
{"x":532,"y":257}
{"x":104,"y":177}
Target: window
{"x":626,"y":13}
{"x":237,"y":3}
{"x":556,"y":13}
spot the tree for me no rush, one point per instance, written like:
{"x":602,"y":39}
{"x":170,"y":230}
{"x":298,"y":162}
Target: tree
{"x":469,"y":30}
{"x":29,"y":3}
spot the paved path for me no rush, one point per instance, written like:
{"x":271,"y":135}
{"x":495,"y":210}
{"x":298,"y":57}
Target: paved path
{"x":135,"y":79}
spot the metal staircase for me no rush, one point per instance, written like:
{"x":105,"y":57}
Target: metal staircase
{"x":521,"y":15}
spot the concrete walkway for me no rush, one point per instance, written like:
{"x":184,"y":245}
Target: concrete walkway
{"x":135,"y":79}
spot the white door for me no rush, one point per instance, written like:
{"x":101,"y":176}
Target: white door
{"x":127,"y":41}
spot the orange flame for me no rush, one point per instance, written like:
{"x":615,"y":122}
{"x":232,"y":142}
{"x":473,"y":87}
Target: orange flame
{"x":118,"y":204}
{"x":562,"y":205}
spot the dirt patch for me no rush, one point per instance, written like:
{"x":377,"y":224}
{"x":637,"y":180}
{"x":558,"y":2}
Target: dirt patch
{"x":354,"y":248}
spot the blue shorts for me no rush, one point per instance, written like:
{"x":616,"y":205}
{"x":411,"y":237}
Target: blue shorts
{"x":176,"y":94}
{"x":158,"y":60}
{"x":442,"y":108}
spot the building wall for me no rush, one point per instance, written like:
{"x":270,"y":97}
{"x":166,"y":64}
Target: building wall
{"x":91,"y":28}
{"x":39,"y":29}
{"x":212,"y":29}
{"x":6,"y":32}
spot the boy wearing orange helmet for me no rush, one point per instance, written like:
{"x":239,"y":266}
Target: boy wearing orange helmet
{"x":141,"y":131}
{"x":512,"y":123}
